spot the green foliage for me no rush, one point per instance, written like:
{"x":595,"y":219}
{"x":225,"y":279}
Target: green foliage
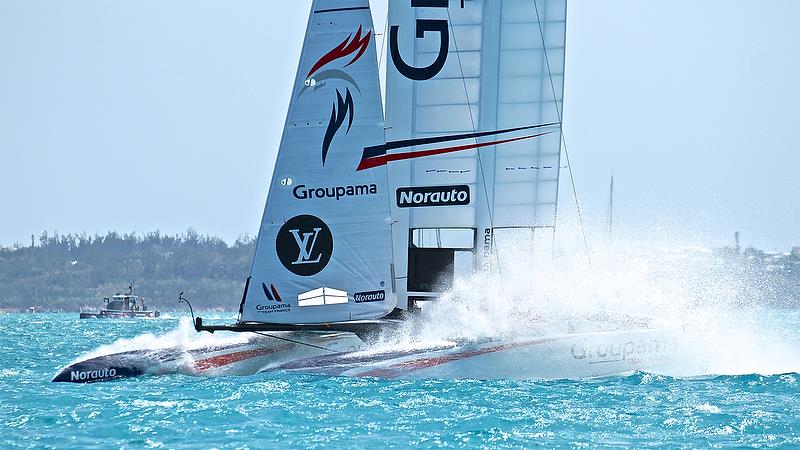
{"x":69,"y":272}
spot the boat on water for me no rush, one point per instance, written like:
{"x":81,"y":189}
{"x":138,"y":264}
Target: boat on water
{"x":122,"y":306}
{"x":372,"y":213}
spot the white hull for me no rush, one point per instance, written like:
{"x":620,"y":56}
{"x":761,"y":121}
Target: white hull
{"x":555,"y":357}
{"x":582,"y":355}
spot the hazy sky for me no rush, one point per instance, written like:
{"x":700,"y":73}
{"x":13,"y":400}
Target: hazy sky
{"x":149,"y":114}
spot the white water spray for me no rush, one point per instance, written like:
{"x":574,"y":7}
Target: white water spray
{"x":725,"y":322}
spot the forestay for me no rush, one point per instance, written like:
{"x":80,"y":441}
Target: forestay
{"x":323,"y":252}
{"x":474,"y":101}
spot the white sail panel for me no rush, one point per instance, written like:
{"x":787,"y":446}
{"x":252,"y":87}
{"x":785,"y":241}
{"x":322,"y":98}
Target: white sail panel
{"x":487,"y":114}
{"x":323,"y":251}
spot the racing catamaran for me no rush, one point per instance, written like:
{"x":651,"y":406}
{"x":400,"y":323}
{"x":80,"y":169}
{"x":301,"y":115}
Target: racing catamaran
{"x":370,"y":216}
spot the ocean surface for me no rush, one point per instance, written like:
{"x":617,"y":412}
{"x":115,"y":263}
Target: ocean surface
{"x":757,"y":408}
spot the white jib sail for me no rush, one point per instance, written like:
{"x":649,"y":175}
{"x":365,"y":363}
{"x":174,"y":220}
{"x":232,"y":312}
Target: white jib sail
{"x":324,"y":251}
{"x":473,"y":106}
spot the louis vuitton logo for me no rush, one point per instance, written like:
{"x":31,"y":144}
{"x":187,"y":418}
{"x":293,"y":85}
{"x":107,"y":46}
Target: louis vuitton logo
{"x":306,"y":247}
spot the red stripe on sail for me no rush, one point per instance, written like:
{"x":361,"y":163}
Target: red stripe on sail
{"x":346,"y":48}
{"x":382,"y":160}
{"x":275,"y":293}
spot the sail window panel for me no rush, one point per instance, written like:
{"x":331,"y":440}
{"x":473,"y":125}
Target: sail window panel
{"x":520,"y":62}
{"x":513,"y":216}
{"x":526,"y":150}
{"x":553,"y":11}
{"x":460,"y":168}
{"x":526,"y":10}
{"x":554,"y":33}
{"x":524,"y":172}
{"x":542,"y":215}
{"x":510,"y":115}
{"x":465,"y":38}
{"x":555,"y":56}
{"x":551,"y":112}
{"x":546,"y":191}
{"x":520,"y":36}
{"x":514,"y":194}
{"x":448,"y":91}
{"x":524,"y":178}
{"x":444,"y":216}
{"x":519,"y":11}
{"x":446,"y":118}
{"x":470,"y":64}
{"x":553,"y":86}
{"x":541,"y":152}
{"x":519,"y":89}
{"x":549,"y":150}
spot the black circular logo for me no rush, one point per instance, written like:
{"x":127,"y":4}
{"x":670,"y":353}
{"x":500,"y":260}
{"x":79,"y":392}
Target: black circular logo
{"x":304,"y":245}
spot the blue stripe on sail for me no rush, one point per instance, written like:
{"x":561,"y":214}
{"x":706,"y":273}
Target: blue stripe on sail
{"x":379,"y":150}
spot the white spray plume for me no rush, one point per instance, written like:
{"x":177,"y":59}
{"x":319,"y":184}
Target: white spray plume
{"x":733,"y":328}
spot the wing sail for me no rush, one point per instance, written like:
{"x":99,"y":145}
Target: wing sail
{"x":474,"y":102}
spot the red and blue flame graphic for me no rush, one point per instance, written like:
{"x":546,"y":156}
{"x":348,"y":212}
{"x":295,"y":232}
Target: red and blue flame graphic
{"x":343,"y":105}
{"x":345,"y":49}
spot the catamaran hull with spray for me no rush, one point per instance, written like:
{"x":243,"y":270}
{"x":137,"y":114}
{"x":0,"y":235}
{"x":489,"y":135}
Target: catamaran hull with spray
{"x":342,"y":353}
{"x":246,"y":356}
{"x":556,"y":357}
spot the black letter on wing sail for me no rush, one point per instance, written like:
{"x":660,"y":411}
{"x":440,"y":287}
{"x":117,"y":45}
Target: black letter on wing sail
{"x":421,"y":73}
{"x":341,"y":109}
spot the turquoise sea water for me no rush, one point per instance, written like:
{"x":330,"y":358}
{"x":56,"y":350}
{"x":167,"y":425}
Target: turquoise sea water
{"x":279,"y":410}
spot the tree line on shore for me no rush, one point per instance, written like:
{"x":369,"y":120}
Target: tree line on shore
{"x":74,"y":271}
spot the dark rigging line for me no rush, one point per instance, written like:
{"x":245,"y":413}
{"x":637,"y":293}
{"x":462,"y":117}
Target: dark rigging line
{"x":480,"y":160}
{"x":293,"y":341}
{"x":563,"y":137}
{"x":383,"y":41}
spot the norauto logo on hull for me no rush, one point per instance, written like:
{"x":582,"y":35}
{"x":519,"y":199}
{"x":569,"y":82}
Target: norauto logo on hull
{"x":368,"y":297}
{"x":421,"y":197}
{"x":100,"y":374}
